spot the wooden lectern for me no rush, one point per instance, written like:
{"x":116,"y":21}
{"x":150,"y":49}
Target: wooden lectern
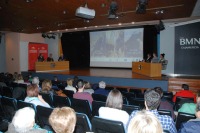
{"x":51,"y":66}
{"x":147,"y":69}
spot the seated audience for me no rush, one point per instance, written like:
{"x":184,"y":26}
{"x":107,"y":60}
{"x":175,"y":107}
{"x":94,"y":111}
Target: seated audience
{"x":50,"y":58}
{"x":185,"y":92}
{"x":63,"y":120}
{"x":113,"y":109}
{"x":19,"y":79}
{"x":70,"y":85}
{"x":88,"y":87}
{"x":145,"y":122}
{"x":24,"y":122}
{"x":101,"y":90}
{"x":55,"y":81}
{"x":36,"y":81}
{"x":75,"y":80}
{"x":190,"y":107}
{"x":80,"y":94}
{"x":164,"y":103}
{"x":34,"y":97}
{"x":193,"y":125}
{"x":152,"y":101}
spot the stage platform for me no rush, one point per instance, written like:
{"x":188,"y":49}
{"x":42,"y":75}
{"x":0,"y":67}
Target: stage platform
{"x":112,"y":76}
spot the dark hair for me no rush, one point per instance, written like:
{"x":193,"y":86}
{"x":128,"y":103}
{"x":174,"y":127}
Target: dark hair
{"x":80,"y":83}
{"x":163,"y":55}
{"x":159,"y":90}
{"x":152,"y":99}
{"x":32,"y":90}
{"x":114,"y":99}
{"x":185,"y":86}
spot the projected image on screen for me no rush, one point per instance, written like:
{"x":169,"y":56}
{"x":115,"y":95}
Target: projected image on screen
{"x":116,"y":48}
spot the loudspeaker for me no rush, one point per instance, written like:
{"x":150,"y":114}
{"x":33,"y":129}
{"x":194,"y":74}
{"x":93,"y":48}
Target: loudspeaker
{"x":160,"y":26}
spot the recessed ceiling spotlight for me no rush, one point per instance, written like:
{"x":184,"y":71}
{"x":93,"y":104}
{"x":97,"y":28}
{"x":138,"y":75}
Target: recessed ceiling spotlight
{"x":50,"y":31}
{"x":66,"y":29}
{"x":107,"y":25}
{"x":64,"y":12}
{"x":29,"y":1}
{"x":132,"y":22}
{"x":85,"y":27}
{"x":120,"y":24}
{"x":75,"y":28}
{"x":96,"y":26}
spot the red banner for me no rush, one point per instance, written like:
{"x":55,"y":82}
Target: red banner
{"x":34,"y":49}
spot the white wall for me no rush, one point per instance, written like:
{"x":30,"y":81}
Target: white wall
{"x":167,"y":46}
{"x":53,"y":47}
{"x":2,"y":54}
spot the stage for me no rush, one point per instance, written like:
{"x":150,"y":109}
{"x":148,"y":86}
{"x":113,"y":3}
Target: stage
{"x":119,"y":77}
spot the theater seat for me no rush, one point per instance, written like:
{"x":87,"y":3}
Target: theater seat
{"x":59,"y":101}
{"x":95,"y":107}
{"x":99,"y":97}
{"x":48,"y":98}
{"x":183,"y":117}
{"x":180,"y":101}
{"x":100,"y":125}
{"x":83,"y":124}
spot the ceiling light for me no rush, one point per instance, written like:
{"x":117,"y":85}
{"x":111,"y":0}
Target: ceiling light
{"x":119,"y":24}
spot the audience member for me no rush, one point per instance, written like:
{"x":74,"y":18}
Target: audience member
{"x":15,"y":76}
{"x":34,"y":97}
{"x":61,"y":58}
{"x":19,"y":79}
{"x":190,"y":107}
{"x":164,"y":103}
{"x":63,"y":120}
{"x":30,"y":78}
{"x":40,"y":58}
{"x":101,"y":90}
{"x":185,"y":92}
{"x":113,"y":109}
{"x":55,"y":81}
{"x":193,"y":125}
{"x":155,"y":58}
{"x":24,"y":122}
{"x":148,"y":59}
{"x":50,"y":58}
{"x":75,"y":80}
{"x":152,"y":101}
{"x":145,"y":122}
{"x":36,"y":81}
{"x":70,"y":85}
{"x":80,"y":94}
{"x":88,"y":87}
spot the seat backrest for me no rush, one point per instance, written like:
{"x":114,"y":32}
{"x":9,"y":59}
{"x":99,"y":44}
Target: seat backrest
{"x":21,"y":104}
{"x":9,"y":106}
{"x":22,"y":85}
{"x":19,"y":93}
{"x":47,"y":98}
{"x":182,"y":100}
{"x":99,"y":97}
{"x":128,"y":95}
{"x":168,"y":95}
{"x":59,"y":101}
{"x":81,"y":106}
{"x":137,"y":102}
{"x":43,"y":114}
{"x":95,"y":107}
{"x":165,"y":112}
{"x":7,"y":91}
{"x":130,"y":108}
{"x":183,"y":117}
{"x":82,"y":124}
{"x":100,"y":125}
{"x":68,"y":93}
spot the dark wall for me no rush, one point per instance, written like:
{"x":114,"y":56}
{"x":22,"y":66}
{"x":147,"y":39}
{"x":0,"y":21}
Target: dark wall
{"x":76,"y":48}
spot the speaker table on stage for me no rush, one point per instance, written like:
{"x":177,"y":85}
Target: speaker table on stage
{"x":51,"y":66}
{"x":147,"y":69}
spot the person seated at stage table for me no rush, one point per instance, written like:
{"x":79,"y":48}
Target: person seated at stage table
{"x":193,"y":125}
{"x":61,"y":58}
{"x":185,"y":92}
{"x":148,"y":59}
{"x":162,"y":58}
{"x":164,"y":103}
{"x":88,"y":87}
{"x":113,"y":109}
{"x":50,"y":58}
{"x":40,"y":58}
{"x":101,"y":90}
{"x":155,"y":58}
{"x":70,"y":85}
{"x":34,"y":97}
{"x":80,"y":94}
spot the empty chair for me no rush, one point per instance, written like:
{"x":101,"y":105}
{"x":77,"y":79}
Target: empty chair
{"x":7,"y":91}
{"x":95,"y":107}
{"x":128,"y":95}
{"x":48,"y":98}
{"x":181,"y":100}
{"x":43,"y":114}
{"x":99,"y":97}
{"x":82,"y":123}
{"x":9,"y":106}
{"x":82,"y":106}
{"x":130,"y":108}
{"x":122,"y":90}
{"x":21,"y":104}
{"x":183,"y":117}
{"x":69,"y":93}
{"x":100,"y":125}
{"x":59,"y":101}
{"x":137,"y":102}
{"x":165,"y":112}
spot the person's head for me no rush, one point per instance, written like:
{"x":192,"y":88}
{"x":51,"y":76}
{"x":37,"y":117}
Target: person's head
{"x":61,"y":55}
{"x":55,"y":78}
{"x":154,"y":55}
{"x":50,"y":55}
{"x":114,"y":99}
{"x":32,"y":90}
{"x":144,"y":122}
{"x":198,"y":96}
{"x":80,"y":84}
{"x":19,"y":77}
{"x":40,"y":54}
{"x":148,"y":55}
{"x":102,"y":85}
{"x":63,"y":120}
{"x":46,"y":85}
{"x":87,"y":85}
{"x":24,"y":120}
{"x":162,"y":55}
{"x":69,"y":81}
{"x":159,"y":90}
{"x":35,"y":80}
{"x":185,"y":86}
{"x":152,"y":99}
{"x":198,"y":110}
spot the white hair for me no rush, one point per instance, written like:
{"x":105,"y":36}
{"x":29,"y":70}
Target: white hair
{"x":102,"y":84}
{"x":35,"y":80}
{"x":24,"y":119}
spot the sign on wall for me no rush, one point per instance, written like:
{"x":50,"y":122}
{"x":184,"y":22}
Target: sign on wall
{"x":34,"y":49}
{"x":187,"y":49}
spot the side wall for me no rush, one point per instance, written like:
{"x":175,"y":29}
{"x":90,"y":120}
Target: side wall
{"x":2,"y":54}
